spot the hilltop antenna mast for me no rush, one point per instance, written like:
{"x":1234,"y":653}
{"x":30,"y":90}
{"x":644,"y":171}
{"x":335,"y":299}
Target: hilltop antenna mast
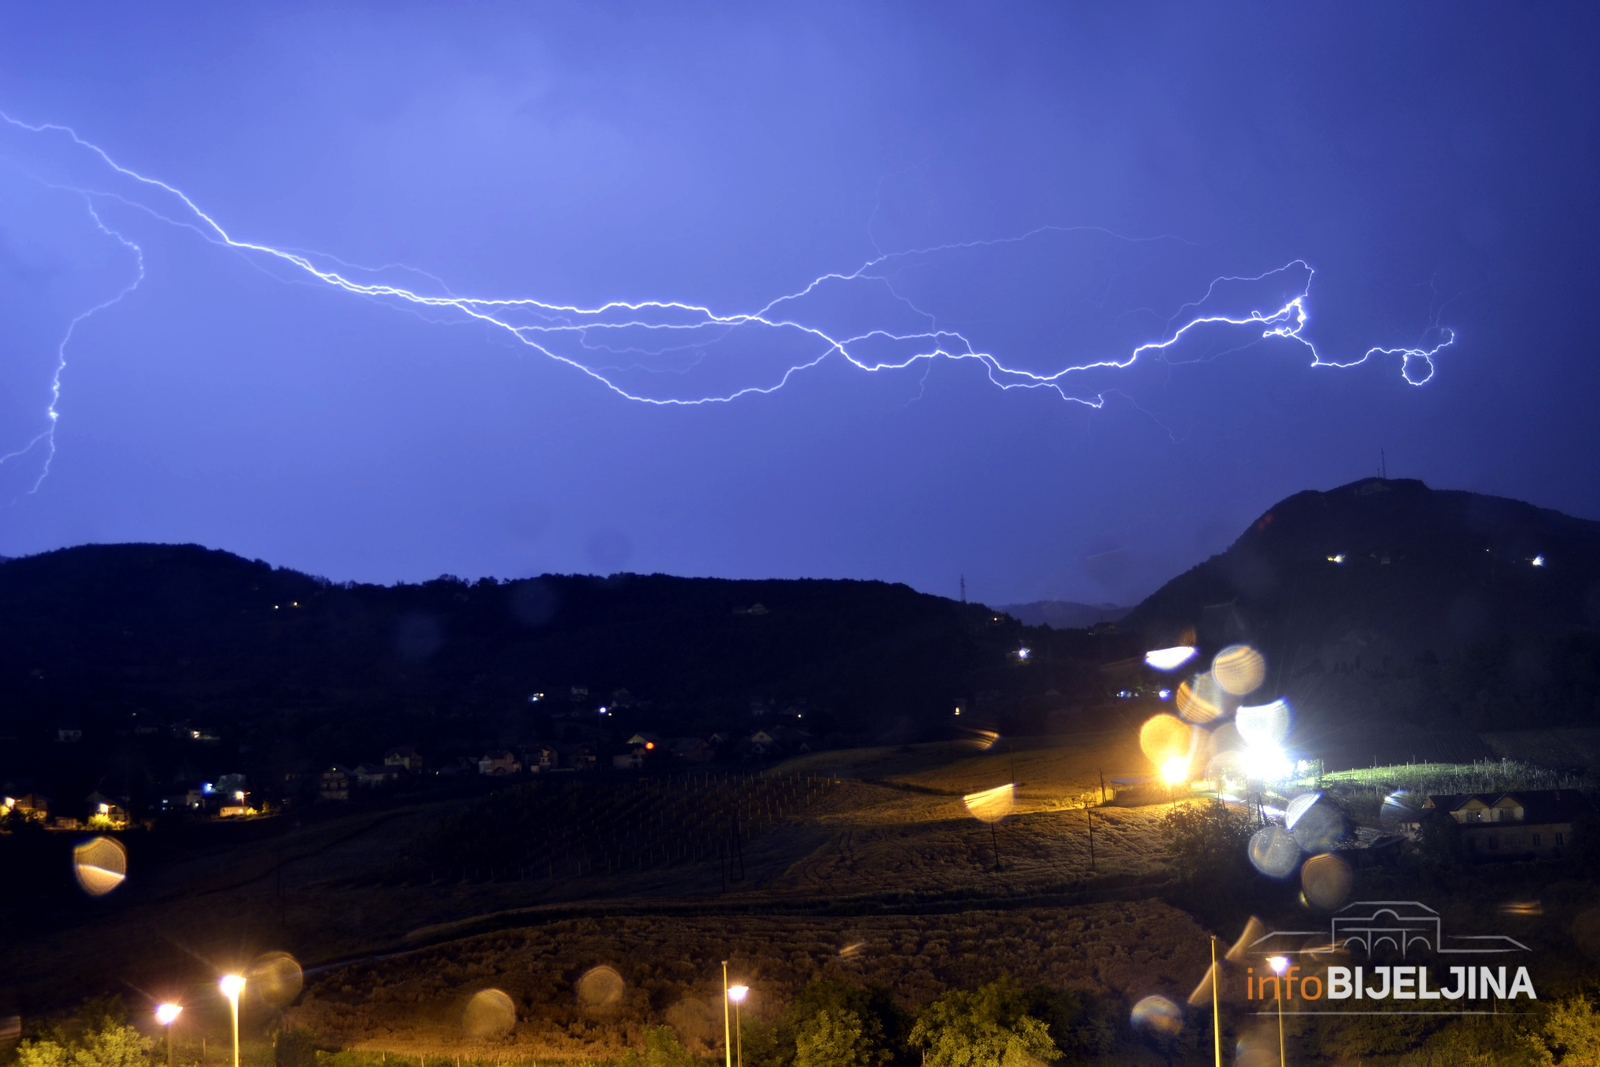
{"x":963,"y":588}
{"x":1383,"y":465}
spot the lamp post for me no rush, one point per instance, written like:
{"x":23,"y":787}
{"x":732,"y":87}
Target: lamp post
{"x":737,"y":993}
{"x":1279,"y":965}
{"x":1216,"y":1010}
{"x":232,"y":985}
{"x":727,"y":1031}
{"x":166,"y":1015}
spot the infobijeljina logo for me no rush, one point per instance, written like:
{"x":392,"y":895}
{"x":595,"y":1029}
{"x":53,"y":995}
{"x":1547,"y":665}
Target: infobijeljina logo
{"x":1464,"y":974}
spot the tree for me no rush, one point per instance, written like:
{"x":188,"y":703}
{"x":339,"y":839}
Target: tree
{"x":984,"y":1027}
{"x":1572,"y":1032}
{"x":861,"y":1027}
{"x":111,"y":1045}
{"x":837,"y":1039}
{"x":661,"y":1049}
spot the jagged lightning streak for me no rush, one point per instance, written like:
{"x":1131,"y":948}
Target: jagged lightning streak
{"x":52,"y":413}
{"x":542,"y":326}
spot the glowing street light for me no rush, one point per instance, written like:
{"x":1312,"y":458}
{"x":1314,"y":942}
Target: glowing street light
{"x":1279,"y":965}
{"x":166,"y":1015}
{"x":232,"y":986}
{"x":737,"y":993}
{"x":1175,"y":771}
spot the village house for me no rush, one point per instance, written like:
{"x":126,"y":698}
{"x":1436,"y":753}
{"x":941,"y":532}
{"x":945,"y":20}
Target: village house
{"x":107,"y":811}
{"x":692,"y":750}
{"x":542,"y":757}
{"x":499,"y":763}
{"x":404,"y":758}
{"x":1528,"y":823}
{"x":334,"y":783}
{"x":368,"y":775}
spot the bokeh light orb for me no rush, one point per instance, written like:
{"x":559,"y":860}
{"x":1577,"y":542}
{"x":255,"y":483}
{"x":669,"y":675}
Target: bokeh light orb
{"x":1164,"y":737}
{"x":992,"y":805}
{"x":1263,"y":725}
{"x":1239,"y":669}
{"x":1199,"y":700}
{"x":276,"y":978}
{"x":489,"y":1014}
{"x":1317,"y":826}
{"x":600,"y":988}
{"x":1158,"y":1014}
{"x":1274,"y":852}
{"x":1326,"y":881}
{"x":100,"y":864}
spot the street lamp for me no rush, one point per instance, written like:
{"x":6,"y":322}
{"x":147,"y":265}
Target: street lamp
{"x":233,"y":985}
{"x":166,"y":1015}
{"x":727,"y":1033}
{"x":737,"y":993}
{"x":1279,"y":965}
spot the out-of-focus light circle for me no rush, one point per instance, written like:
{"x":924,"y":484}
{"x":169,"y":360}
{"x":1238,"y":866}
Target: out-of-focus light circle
{"x":1326,"y":880}
{"x":1399,"y":808}
{"x":1239,"y":669}
{"x":490,"y":1013}
{"x":737,"y":993}
{"x":167,"y":1014}
{"x":1263,"y":725}
{"x":1274,"y":852}
{"x":232,"y":985}
{"x":991,"y":805}
{"x":276,"y":977}
{"x":1158,"y":1014}
{"x":1257,"y":1048}
{"x":1298,"y":807}
{"x":600,"y":988}
{"x":101,"y":864}
{"x":1164,"y":737}
{"x":1198,"y":700}
{"x":1169,"y":659}
{"x":1320,"y":826}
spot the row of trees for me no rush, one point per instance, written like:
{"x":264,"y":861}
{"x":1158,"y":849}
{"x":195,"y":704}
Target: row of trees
{"x":835,"y":1024}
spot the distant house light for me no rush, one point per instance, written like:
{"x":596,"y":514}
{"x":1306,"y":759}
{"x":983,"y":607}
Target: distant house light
{"x":605,"y":711}
{"x":206,"y":788}
{"x":1024,"y":653}
{"x":649,"y":746}
{"x":534,"y":698}
{"x":1537,"y":561}
{"x":1336,"y":559}
{"x":1165,"y":694}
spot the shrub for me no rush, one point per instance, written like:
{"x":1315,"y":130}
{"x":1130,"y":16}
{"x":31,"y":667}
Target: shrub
{"x":984,"y":1027}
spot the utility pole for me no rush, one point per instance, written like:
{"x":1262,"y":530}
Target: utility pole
{"x":1383,"y":465}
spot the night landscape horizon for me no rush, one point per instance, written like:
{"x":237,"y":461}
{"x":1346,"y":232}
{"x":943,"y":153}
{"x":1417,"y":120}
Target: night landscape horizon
{"x":848,"y":536}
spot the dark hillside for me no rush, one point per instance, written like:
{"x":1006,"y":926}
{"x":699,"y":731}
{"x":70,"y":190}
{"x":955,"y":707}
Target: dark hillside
{"x":1448,"y":609}
{"x":124,"y":641}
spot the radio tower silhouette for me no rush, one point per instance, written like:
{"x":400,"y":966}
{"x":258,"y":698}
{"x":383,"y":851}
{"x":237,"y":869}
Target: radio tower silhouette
{"x":963,"y":588}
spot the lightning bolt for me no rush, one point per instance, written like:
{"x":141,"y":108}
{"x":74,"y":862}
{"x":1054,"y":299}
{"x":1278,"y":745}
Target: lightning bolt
{"x":587,"y":338}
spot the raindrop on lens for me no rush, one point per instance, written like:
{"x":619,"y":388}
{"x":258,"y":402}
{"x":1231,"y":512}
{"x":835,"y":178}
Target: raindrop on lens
{"x":1239,"y":669}
{"x":276,"y":978}
{"x":490,"y":1013}
{"x":1158,"y":1014}
{"x":1326,"y":880}
{"x":1274,"y":852}
{"x":600,"y":988}
{"x":100,"y":864}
